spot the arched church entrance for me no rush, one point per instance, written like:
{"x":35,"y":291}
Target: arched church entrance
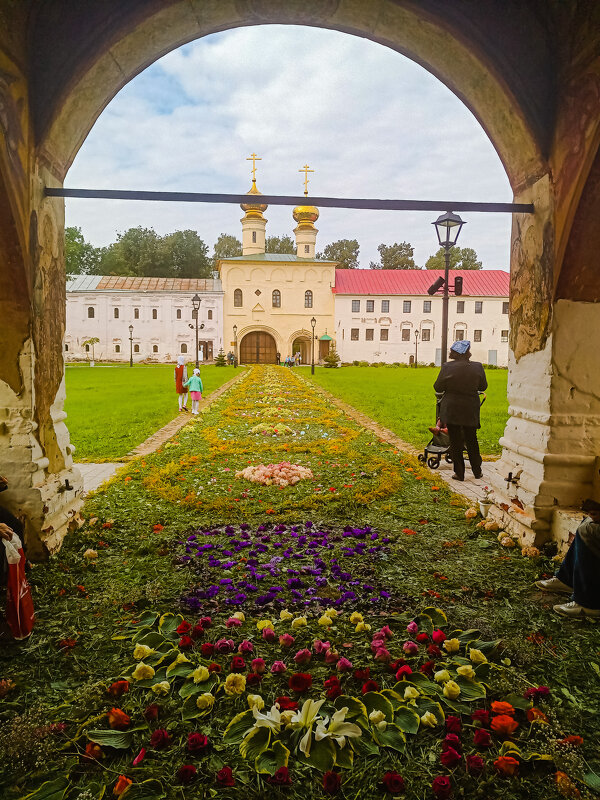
{"x":258,"y":347}
{"x":301,"y":344}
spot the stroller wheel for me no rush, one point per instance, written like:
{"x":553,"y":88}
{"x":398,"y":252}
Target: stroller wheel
{"x":448,"y":459}
{"x":433,"y":462}
{"x":421,"y":458}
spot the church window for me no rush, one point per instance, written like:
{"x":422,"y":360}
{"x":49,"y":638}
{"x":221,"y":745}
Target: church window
{"x":459,"y":336}
{"x":308,"y":299}
{"x":505,"y":307}
{"x":253,"y":237}
{"x":136,"y":348}
{"x":117,"y":348}
{"x":383,"y":334}
{"x":178,"y":313}
{"x":116,"y":313}
{"x":406,"y":334}
{"x":276,"y":298}
{"x":155,"y":313}
{"x":356,"y":306}
{"x":460,"y":306}
{"x":210,"y":313}
{"x":426,"y":335}
{"x":385,"y":306}
{"x":427,"y":306}
{"x":307,"y":248}
{"x":478,"y":306}
{"x":184,"y":348}
{"x":406,"y":306}
{"x":237,"y":298}
{"x":136,"y":313}
{"x":155,"y":348}
{"x":369,"y":334}
{"x":477,"y":336}
{"x":354,"y":334}
{"x":504,"y":336}
{"x":370,"y":306}
{"x":91,"y":312}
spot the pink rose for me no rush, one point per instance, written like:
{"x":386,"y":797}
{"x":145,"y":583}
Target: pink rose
{"x":286,"y":640}
{"x":233,"y":622}
{"x":258,"y":666}
{"x":410,"y":648}
{"x":387,"y":632}
{"x":439,"y":637}
{"x":377,"y":643}
{"x":383,"y":656}
{"x":303,"y":656}
{"x":412,"y":628}
{"x":268,"y":635}
{"x":225,"y":646}
{"x":245,"y":647}
{"x":278,"y":667}
{"x":332,"y":657}
{"x":343,"y":665}
{"x":321,"y":647}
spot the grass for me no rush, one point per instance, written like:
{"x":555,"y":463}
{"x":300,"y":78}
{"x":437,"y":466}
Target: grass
{"x":403,"y":400}
{"x":112,"y":409}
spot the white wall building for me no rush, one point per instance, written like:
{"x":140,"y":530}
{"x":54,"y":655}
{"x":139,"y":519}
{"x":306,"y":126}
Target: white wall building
{"x":160,"y":310}
{"x":387,"y":315}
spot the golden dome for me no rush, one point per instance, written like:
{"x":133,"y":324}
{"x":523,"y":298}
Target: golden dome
{"x":306,"y":215}
{"x":253,"y":209}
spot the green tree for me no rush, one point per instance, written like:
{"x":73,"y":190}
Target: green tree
{"x":332,"y":358}
{"x":280,"y":244}
{"x":395,"y":256}
{"x":344,"y":251}
{"x":184,"y":255}
{"x":460,"y":258}
{"x":220,"y":360}
{"x":136,"y":252}
{"x":226,"y":246}
{"x":81,"y":257}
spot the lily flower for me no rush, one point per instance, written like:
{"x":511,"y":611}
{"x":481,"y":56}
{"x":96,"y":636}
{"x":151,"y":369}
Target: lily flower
{"x":305,"y":718}
{"x":339,"y":730}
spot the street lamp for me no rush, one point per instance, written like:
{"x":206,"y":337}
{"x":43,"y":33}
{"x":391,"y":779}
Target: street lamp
{"x":313,"y":322}
{"x":131,"y":345}
{"x":417,"y":334}
{"x":235,"y":358}
{"x":196,"y":307}
{"x":447,"y":227}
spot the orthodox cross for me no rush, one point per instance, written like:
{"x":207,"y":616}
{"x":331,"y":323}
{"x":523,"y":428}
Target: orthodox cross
{"x":306,"y":169}
{"x":253,"y":158}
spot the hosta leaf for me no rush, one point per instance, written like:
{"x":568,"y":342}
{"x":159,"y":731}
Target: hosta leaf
{"x":436,"y":615}
{"x":272,"y":759}
{"x":189,"y":687}
{"x":518,"y":701}
{"x":169,"y":623}
{"x":175,"y":670}
{"x":238,"y":727}
{"x":357,"y":711}
{"x":344,"y":757}
{"x":419,"y":681}
{"x":189,"y":709}
{"x":364,"y":746}
{"x":120,"y":740}
{"x":50,"y":790}
{"x":395,"y":698}
{"x":255,"y":743}
{"x":147,"y":620}
{"x":407,"y":719}
{"x":426,"y":704}
{"x":470,"y":690}
{"x":392,"y":737}
{"x":466,"y":636}
{"x":322,"y":755}
{"x":146,"y":790}
{"x":592,"y":780}
{"x":375,"y":701}
{"x":486,"y":647}
{"x":150,"y":638}
{"x":510,"y":747}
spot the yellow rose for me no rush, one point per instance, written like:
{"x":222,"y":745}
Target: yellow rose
{"x":451,"y":690}
{"x":235,"y":684}
{"x":376,"y":717}
{"x":239,"y":615}
{"x":299,"y":622}
{"x":452,"y":645}
{"x":256,"y":701}
{"x":200,"y":675}
{"x":477,"y":656}
{"x":90,"y":554}
{"x":284,"y":615}
{"x":467,"y":672}
{"x":325,"y":621}
{"x":287,"y":716}
{"x":164,"y":687}
{"x":264,"y":623}
{"x":181,"y":659}
{"x":410,"y":693}
{"x":362,"y":626}
{"x":331,"y":612}
{"x":143,"y":671}
{"x":429,"y":720}
{"x":142,"y":651}
{"x":205,"y":701}
{"x":356,"y":617}
{"x":441,"y":676}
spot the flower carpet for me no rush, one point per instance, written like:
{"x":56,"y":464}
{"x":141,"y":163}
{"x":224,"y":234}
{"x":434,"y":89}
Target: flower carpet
{"x":308,"y":615}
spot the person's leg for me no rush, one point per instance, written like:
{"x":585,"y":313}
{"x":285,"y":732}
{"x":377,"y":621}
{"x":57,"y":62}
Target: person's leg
{"x":180,"y":399}
{"x":584,"y":568}
{"x":472,"y":444}
{"x":185,"y":399}
{"x":455,"y":432}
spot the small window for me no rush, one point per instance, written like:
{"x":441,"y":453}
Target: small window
{"x":136,"y":313}
{"x":505,"y":307}
{"x":87,"y":348}
{"x":427,"y":306}
{"x":155,"y":348}
{"x":183,"y":348}
{"x":460,"y":306}
{"x":178,"y":313}
{"x":253,"y":237}
{"x":91,"y":312}
{"x":209,"y":313}
{"x":155,"y":313}
{"x":459,"y":336}
{"x":406,"y":334}
{"x":479,"y":306}
{"x":385,"y":306}
{"x":406,"y":306}
{"x":66,"y":348}
{"x":276,"y":298}
{"x":237,"y":298}
{"x":136,"y":348}
{"x":116,"y":313}
{"x":383,"y":335}
{"x":117,"y":348}
{"x":354,"y":334}
{"x":504,"y":336}
{"x":476,"y":336}
{"x":356,"y":306}
{"x":369,"y":334}
{"x":370,"y":306}
{"x":426,"y":335}
{"x":308,"y":299}
{"x":307,"y":248}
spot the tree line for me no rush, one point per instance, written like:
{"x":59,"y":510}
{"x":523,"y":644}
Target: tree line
{"x":142,"y":252}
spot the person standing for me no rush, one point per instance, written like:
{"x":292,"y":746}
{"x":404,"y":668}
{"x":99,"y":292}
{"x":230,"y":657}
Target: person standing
{"x":180,"y":378}
{"x":278,"y":358}
{"x":461,"y":380}
{"x":196,"y":388}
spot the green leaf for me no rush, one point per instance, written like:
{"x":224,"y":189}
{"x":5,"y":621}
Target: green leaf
{"x":592,"y":780}
{"x":407,"y":719}
{"x":392,"y":737}
{"x":119,"y":740}
{"x":169,"y":623}
{"x":425,"y":704}
{"x":465,"y":636}
{"x":357,"y":711}
{"x":486,"y":647}
{"x":344,"y":757}
{"x":150,"y":638}
{"x":518,"y":701}
{"x":272,"y":759}
{"x":180,"y":670}
{"x":146,"y":790}
{"x":365,"y":746}
{"x":436,"y":615}
{"x":50,"y":790}
{"x":190,"y":688}
{"x":510,"y":748}
{"x":322,"y":755}
{"x":238,"y":727}
{"x":375,"y":701}
{"x":484,"y":544}
{"x":395,"y":698}
{"x":255,"y":743}
{"x":147,"y":620}
{"x":595,"y":667}
{"x":470,"y":690}
{"x":420,"y":682}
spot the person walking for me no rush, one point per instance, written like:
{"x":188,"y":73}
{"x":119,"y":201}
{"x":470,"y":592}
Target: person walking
{"x":461,"y":380}
{"x":196,"y":388}
{"x":180,"y":378}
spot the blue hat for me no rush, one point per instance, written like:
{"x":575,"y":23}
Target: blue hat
{"x":461,"y":346}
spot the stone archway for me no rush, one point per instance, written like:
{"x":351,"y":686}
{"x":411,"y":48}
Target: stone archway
{"x":258,"y":347}
{"x":301,"y":344}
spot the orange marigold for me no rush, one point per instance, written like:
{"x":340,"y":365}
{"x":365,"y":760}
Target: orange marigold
{"x":504,"y":725}
{"x":506,"y":765}
{"x":122,"y":783}
{"x":500,"y":707}
{"x":535,"y":715}
{"x":118,"y":720}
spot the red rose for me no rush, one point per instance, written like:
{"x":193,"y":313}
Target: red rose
{"x":118,"y":688}
{"x":186,"y":773}
{"x":452,"y":740}
{"x":286,"y":704}
{"x":333,"y":692}
{"x":253,"y":679}
{"x":428,"y":668}
{"x":482,"y":738}
{"x":300,"y":682}
{"x":214,"y":667}
{"x":118,"y":720}
{"x":453,"y":724}
{"x":434,"y":651}
{"x":439,"y":637}
{"x":184,"y":627}
{"x":441,"y":787}
{"x":362,"y":674}
{"x":331,"y":682}
{"x":160,"y":739}
{"x":370,"y":686}
{"x":206,"y":622}
{"x":207,"y":649}
{"x":280,"y":778}
{"x":238,"y":664}
{"x":450,"y":758}
{"x":197,"y":631}
{"x":481,"y":716}
{"x":393,"y":782}
{"x":186,"y":642}
{"x":197,"y":743}
{"x":475,"y":765}
{"x":331,"y":782}
{"x":151,"y":712}
{"x":225,"y":777}
{"x":422,"y":638}
{"x":403,"y":672}
{"x":394,"y":666}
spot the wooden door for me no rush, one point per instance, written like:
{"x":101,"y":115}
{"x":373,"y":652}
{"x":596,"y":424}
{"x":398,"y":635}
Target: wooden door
{"x":258,"y":348}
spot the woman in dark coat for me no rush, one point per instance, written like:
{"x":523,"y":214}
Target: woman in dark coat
{"x":460,"y":380}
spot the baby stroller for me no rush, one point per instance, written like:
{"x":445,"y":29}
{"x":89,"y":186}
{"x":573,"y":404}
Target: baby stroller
{"x":439,"y":444}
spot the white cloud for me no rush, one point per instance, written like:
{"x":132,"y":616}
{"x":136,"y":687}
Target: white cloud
{"x":369,"y":121}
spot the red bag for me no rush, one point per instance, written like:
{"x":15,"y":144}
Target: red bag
{"x":19,"y":602}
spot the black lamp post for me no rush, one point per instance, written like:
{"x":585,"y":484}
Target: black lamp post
{"x":313,"y":322}
{"x":131,"y":345}
{"x":235,"y":358}
{"x":417,"y":334}
{"x":447,"y":227}
{"x":196,"y":307}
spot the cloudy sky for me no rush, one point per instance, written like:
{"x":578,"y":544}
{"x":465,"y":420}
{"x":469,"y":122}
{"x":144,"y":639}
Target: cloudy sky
{"x":370,"y":123}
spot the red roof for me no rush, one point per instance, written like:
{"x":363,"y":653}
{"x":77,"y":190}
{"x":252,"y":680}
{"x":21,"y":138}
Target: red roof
{"x":121,"y":283}
{"x":476,"y":282}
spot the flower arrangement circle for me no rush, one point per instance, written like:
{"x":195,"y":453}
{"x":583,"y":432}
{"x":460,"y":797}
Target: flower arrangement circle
{"x":268,"y":429}
{"x":282,"y":474}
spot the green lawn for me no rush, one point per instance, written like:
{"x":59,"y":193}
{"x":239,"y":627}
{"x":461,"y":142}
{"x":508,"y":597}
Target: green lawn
{"x":112,"y":409}
{"x":403,"y":400}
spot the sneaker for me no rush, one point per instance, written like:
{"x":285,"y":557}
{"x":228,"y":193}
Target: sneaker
{"x":478,"y":474}
{"x":575,"y":611}
{"x":456,"y":477}
{"x":554,"y":585}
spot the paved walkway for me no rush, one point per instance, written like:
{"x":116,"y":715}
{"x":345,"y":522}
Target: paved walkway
{"x":94,"y":475}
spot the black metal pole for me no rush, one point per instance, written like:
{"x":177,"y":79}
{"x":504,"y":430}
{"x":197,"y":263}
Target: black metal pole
{"x":416,"y":351}
{"x":196,"y":312}
{"x":312,"y":361}
{"x":235,"y":355}
{"x":131,"y":350}
{"x":445,"y":304}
